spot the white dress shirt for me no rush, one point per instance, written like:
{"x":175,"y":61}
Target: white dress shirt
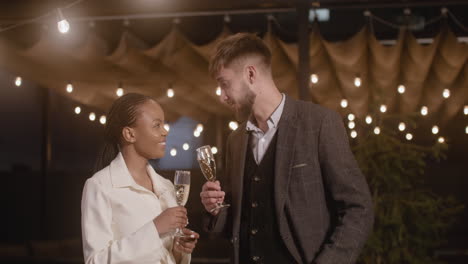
{"x":261,"y":140}
{"x":117,"y":218}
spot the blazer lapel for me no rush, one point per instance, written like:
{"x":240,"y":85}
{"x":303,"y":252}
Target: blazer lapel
{"x":239,"y":149}
{"x":285,"y":146}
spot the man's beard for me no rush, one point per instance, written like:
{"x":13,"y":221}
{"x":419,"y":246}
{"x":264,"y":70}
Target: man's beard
{"x":245,"y":104}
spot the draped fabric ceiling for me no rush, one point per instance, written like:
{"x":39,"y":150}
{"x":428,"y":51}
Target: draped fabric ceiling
{"x":95,"y":71}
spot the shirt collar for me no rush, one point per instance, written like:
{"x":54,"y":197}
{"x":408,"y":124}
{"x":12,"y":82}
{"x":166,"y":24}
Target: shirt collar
{"x":272,"y":121}
{"x":121,"y":177}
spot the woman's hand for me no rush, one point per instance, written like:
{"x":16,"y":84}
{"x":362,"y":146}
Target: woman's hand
{"x":170,"y":219}
{"x":186,"y":244}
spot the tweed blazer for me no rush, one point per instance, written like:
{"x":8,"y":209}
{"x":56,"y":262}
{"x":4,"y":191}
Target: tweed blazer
{"x":322,"y":201}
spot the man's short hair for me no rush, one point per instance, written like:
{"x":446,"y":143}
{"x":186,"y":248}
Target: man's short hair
{"x":238,"y":46}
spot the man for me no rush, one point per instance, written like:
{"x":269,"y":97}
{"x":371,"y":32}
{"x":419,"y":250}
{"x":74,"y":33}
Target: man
{"x":296,"y":192}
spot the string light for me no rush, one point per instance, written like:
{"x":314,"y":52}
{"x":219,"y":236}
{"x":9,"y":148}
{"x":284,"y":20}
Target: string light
{"x":401,"y":89}
{"x":119,"y":92}
{"x":377,"y":130}
{"x":353,"y":134}
{"x":167,"y":127}
{"x":465,"y":110}
{"x":186,"y":146}
{"x":102,"y":120}
{"x":401,"y":126}
{"x":441,"y":139}
{"x":357,"y":82}
{"x":466,"y":130}
{"x":69,"y":88}
{"x":170,"y":92}
{"x":233,"y":125}
{"x":446,"y":93}
{"x":199,"y":128}
{"x":18,"y":81}
{"x":173,"y":152}
{"x":368,"y":119}
{"x":409,"y":136}
{"x":314,"y":78}
{"x":351,"y":124}
{"x":424,"y":111}
{"x":196,"y":133}
{"x":351,"y":117}
{"x":77,"y":110}
{"x":214,"y":150}
{"x":218,"y":91}
{"x":62,"y":24}
{"x":383,"y":108}
{"x":344,"y":103}
{"x":435,"y":130}
{"x":92,"y":116}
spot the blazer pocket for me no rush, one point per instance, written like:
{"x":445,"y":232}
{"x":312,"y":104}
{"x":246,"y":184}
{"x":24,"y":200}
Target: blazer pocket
{"x":299,"y":165}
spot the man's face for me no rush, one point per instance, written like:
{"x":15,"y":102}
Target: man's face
{"x":235,"y":92}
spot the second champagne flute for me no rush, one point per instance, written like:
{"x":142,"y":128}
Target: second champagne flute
{"x":182,"y":190}
{"x":208,"y":167}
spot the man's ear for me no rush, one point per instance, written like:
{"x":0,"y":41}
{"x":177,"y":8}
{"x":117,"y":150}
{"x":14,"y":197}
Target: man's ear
{"x":250,"y":73}
{"x":128,"y":134}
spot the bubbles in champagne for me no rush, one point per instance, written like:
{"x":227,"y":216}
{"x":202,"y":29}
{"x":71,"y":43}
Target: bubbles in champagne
{"x":208,"y":168}
{"x":182,"y":193}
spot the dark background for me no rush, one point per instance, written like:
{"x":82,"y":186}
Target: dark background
{"x":39,"y":207}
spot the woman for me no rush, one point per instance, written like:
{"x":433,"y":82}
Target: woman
{"x":129,"y":212}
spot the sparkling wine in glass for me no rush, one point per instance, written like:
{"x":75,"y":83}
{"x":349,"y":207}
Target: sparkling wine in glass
{"x":208,"y":167}
{"x":182,"y":190}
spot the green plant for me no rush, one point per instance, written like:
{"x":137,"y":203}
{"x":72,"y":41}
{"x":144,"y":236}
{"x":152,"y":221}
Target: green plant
{"x":410,"y":220}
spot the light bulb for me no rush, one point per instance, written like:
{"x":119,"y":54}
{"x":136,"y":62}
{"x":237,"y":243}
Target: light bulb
{"x":441,"y":139}
{"x":119,"y":92}
{"x":344,"y":103}
{"x":424,"y":110}
{"x":465,"y":110}
{"x":401,"y":126}
{"x":167,"y":127}
{"x":77,"y":110}
{"x":186,"y":146}
{"x":353,"y":134}
{"x":102,"y":120}
{"x":92,"y":116}
{"x":18,"y":81}
{"x":466,"y":130}
{"x":233,"y":125}
{"x":69,"y":88}
{"x":368,"y":119}
{"x":357,"y":81}
{"x":409,"y":136}
{"x":314,"y":78}
{"x":435,"y":130}
{"x":218,"y":91}
{"x":173,"y":152}
{"x":214,"y":150}
{"x":377,"y":130}
{"x":401,"y":89}
{"x":196,"y":133}
{"x":383,"y":108}
{"x":62,"y":25}
{"x":199,"y":128}
{"x":351,"y":124}
{"x":351,"y":117}
{"x":446,"y":93}
{"x":170,"y":92}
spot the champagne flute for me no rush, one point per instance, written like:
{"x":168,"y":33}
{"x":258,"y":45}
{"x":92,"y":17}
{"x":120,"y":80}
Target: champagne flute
{"x":208,"y":167}
{"x":182,"y":190}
